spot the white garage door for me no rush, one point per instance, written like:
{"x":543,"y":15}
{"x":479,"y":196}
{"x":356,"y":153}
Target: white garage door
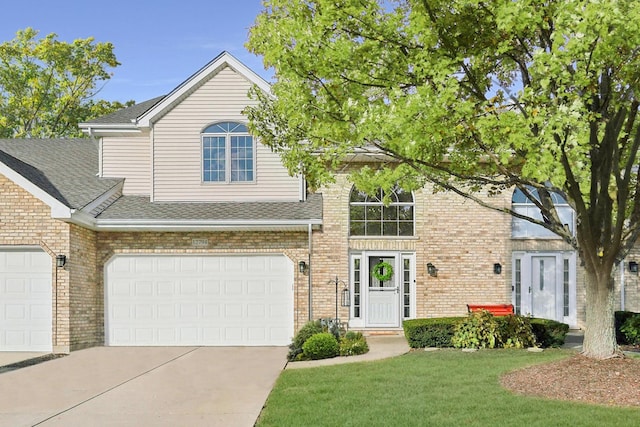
{"x":25,"y":300}
{"x":199,"y":300}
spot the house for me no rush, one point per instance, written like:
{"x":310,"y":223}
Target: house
{"x":172,"y":225}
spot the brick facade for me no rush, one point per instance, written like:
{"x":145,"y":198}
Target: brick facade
{"x":26,"y":221}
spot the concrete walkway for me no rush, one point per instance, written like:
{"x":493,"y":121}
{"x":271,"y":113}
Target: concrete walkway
{"x":574,"y":340}
{"x":380,"y":347}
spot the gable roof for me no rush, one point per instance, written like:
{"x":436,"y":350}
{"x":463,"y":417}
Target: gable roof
{"x":141,"y":115}
{"x":225,"y":59}
{"x":64,"y":169}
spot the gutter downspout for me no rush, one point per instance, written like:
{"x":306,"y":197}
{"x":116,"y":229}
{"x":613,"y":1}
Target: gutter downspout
{"x":310,"y":273}
{"x":622,"y":285}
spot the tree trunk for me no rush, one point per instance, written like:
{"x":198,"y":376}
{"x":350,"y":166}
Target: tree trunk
{"x":600,"y":334}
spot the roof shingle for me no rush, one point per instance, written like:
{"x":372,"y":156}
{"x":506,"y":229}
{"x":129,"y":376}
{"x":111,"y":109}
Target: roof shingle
{"x":64,"y":168}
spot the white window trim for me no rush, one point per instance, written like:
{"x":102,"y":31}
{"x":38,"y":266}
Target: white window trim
{"x":227,"y":159}
{"x":376,"y":204}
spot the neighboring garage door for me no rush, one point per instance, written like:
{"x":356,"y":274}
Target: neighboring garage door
{"x":199,"y":300}
{"x":25,"y":300}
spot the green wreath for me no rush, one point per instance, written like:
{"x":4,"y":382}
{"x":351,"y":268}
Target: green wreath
{"x":382,"y":271}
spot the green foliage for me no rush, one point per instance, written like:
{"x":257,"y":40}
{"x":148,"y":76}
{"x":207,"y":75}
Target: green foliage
{"x":321,"y":346}
{"x":333,"y":326}
{"x":516,"y":332}
{"x":631,"y":329}
{"x":549,"y":333}
{"x":46,"y":85}
{"x":620,"y":318}
{"x":307,"y":331}
{"x":353,"y":343}
{"x":479,"y":329}
{"x":432,"y":332}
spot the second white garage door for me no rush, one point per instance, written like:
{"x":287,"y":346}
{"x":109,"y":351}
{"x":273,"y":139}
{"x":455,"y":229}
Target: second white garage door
{"x":199,"y":300}
{"x":25,"y":300}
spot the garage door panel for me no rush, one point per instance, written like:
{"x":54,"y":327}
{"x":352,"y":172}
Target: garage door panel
{"x":211,"y":287}
{"x":233,"y":287}
{"x":256,"y":287}
{"x":242,"y":304}
{"x":143,"y":289}
{"x":189,"y":288}
{"x":143,"y":265}
{"x":25,"y":300}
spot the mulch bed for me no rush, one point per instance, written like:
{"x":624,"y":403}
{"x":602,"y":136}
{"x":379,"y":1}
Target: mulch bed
{"x":612,"y":382}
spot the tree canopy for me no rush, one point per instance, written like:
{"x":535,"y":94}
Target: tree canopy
{"x":471,"y":96}
{"x":47,"y":86}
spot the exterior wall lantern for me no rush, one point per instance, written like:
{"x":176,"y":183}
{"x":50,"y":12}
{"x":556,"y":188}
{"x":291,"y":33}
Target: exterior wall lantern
{"x":432,"y":270}
{"x":61,"y":260}
{"x":346,"y":297}
{"x":497,"y":268}
{"x":633,"y":266}
{"x":302,"y":267}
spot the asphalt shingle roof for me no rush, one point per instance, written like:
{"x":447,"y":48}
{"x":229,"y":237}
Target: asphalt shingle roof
{"x":140,"y":208}
{"x":64,"y":168}
{"x":128,"y":114}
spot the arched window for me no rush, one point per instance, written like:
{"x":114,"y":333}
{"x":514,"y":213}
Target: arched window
{"x":368,"y":216}
{"x":525,"y":229}
{"x":228,"y":153}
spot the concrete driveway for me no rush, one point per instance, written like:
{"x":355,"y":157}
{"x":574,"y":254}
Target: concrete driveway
{"x":136,"y":386}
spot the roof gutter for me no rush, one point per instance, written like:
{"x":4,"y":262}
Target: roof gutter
{"x":85,"y":220}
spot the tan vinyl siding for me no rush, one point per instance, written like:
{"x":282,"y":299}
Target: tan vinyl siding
{"x":177,"y":148}
{"x":129,"y":158}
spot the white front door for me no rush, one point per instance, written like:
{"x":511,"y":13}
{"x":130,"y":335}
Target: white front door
{"x":381,"y":297}
{"x":544,"y":285}
{"x":383,"y":306}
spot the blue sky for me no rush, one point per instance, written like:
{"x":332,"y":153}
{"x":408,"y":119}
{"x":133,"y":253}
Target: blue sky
{"x":158,"y":43}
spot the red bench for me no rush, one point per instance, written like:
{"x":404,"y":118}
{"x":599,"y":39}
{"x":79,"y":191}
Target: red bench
{"x":495,"y":309}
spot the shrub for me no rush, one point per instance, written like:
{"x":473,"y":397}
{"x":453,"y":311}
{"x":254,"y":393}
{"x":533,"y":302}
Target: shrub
{"x":321,"y":346}
{"x":353,"y":343}
{"x":549,"y":333}
{"x":620,"y":318}
{"x":308,"y":330}
{"x":479,"y":329}
{"x":631,"y":329}
{"x":515,"y":331}
{"x":333,"y":326}
{"x":433,"y":332}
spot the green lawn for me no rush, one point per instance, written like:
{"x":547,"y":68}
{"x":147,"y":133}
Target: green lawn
{"x":441,"y":388}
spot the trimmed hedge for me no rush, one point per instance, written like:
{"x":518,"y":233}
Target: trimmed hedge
{"x":620,"y":318}
{"x":549,"y":333}
{"x":433,"y":332}
{"x":438,"y":331}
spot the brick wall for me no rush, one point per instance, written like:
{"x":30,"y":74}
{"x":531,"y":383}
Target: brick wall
{"x":86,"y":296}
{"x":26,"y":221}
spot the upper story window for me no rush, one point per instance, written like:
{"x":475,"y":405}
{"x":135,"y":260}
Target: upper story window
{"x":368,"y":216}
{"x":525,"y":229}
{"x":228,"y":153}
